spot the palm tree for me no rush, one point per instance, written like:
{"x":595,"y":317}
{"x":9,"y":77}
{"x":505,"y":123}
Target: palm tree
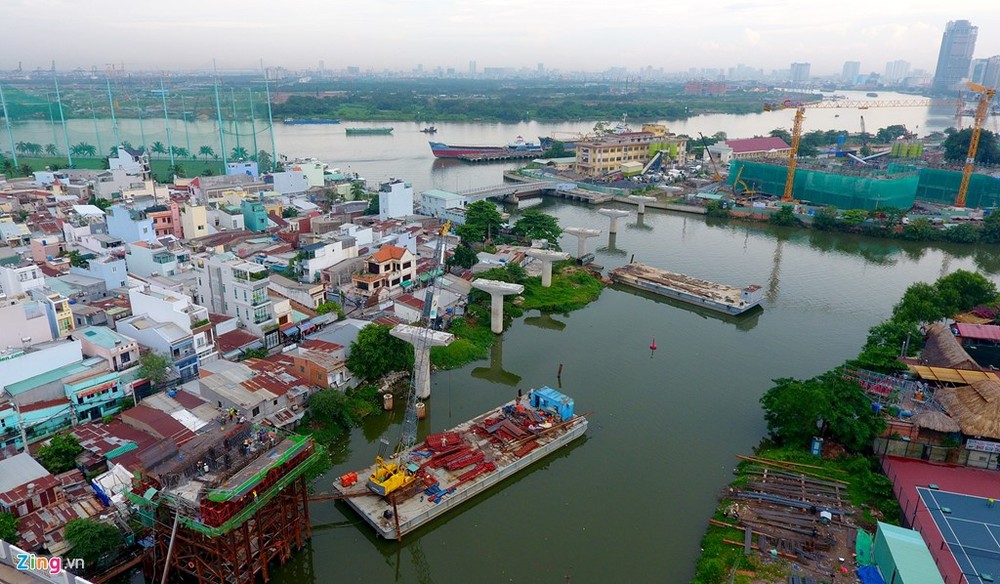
{"x":263,"y":160}
{"x":126,"y":144}
{"x":180,"y":152}
{"x":34,"y":149}
{"x":21,"y":147}
{"x":83,"y":149}
{"x":206,"y":151}
{"x":51,"y":150}
{"x":240,"y":153}
{"x":158,"y":148}
{"x":358,"y":190}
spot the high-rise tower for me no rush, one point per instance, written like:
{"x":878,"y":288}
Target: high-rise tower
{"x":957,"y":45}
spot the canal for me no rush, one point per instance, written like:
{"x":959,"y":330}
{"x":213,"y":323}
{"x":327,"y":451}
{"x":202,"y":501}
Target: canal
{"x":630,"y":502}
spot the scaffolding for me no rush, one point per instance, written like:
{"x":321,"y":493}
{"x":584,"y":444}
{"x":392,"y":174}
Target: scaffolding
{"x":939,"y":185}
{"x":854,"y":189}
{"x":232,"y":504}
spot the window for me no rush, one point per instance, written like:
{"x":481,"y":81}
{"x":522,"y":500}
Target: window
{"x":255,"y":412}
{"x":275,"y":402}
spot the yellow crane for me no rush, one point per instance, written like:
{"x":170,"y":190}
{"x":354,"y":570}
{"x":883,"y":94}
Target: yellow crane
{"x":982,"y":110}
{"x":800,"y":111}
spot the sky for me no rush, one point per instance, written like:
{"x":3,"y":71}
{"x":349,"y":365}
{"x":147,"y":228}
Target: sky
{"x":578,"y":35}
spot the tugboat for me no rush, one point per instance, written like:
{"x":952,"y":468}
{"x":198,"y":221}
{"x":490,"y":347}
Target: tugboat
{"x":429,"y":130}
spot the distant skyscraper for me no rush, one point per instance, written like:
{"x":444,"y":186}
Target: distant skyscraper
{"x":851,"y":71}
{"x":800,"y":72}
{"x":991,"y":73}
{"x":957,"y":46}
{"x":896,"y":71}
{"x":472,"y":67}
{"x":978,"y":70}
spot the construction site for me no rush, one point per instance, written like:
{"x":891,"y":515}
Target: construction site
{"x":225,"y":506}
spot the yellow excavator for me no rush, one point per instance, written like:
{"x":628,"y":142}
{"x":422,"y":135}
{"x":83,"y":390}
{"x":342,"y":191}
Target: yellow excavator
{"x":393,"y":475}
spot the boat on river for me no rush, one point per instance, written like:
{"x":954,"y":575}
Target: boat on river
{"x":369,"y":131}
{"x":452,"y":467}
{"x":717,"y":297}
{"x":518,"y":146}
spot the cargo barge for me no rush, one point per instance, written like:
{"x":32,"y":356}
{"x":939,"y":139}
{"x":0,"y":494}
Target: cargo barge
{"x":442,"y":150}
{"x":454,"y":466}
{"x":718,"y":297}
{"x":368,"y":131}
{"x":303,"y":121}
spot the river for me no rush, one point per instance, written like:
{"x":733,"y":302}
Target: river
{"x":628,"y":503}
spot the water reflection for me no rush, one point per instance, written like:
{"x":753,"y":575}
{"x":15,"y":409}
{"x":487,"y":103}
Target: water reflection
{"x":987,"y":259}
{"x":773,"y":284}
{"x":495,"y":373}
{"x":545,"y":320}
{"x":640,"y":223}
{"x":612,"y":248}
{"x":744,"y":322}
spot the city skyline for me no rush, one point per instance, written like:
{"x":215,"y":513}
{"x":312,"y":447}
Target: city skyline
{"x":564,"y":35}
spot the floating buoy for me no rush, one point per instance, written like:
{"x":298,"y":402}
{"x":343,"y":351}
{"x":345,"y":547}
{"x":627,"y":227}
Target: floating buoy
{"x":652,"y":346}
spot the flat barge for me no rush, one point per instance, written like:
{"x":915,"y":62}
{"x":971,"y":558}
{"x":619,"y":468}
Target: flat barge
{"x":454,"y":466}
{"x":717,"y":297}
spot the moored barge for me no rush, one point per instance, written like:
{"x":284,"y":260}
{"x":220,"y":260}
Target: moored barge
{"x":454,"y":466}
{"x":718,"y":297}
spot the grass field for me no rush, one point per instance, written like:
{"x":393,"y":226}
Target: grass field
{"x":159,"y":166}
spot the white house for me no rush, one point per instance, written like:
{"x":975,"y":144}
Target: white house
{"x":395,"y":199}
{"x":435,"y":201}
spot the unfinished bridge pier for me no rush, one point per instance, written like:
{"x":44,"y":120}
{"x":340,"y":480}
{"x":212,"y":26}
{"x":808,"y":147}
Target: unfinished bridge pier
{"x":422,"y":340}
{"x":547,"y":256}
{"x":641,"y":200}
{"x":582,"y":234}
{"x":613,"y":215}
{"x":497,"y":290}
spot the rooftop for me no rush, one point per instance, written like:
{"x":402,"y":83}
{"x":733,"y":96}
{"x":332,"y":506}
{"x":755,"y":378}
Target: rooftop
{"x":167,"y":330}
{"x":19,"y":470}
{"x":389,"y":252}
{"x":763,"y":144}
{"x":439,"y":194}
{"x":102,"y":336}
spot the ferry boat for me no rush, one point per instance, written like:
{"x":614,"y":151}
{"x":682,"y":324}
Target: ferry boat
{"x":368,"y":131}
{"x":300,"y":121}
{"x":452,"y":467}
{"x":442,"y":150}
{"x":718,"y":297}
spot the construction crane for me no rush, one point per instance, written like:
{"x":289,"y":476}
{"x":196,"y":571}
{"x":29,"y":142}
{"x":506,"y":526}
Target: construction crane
{"x":800,"y":110}
{"x":982,"y":110}
{"x":715,"y":169}
{"x":392,"y":475}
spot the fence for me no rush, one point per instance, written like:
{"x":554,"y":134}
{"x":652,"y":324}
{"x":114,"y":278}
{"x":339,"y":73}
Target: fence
{"x":958,"y":455}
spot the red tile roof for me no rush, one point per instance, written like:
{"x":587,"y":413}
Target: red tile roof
{"x":318,"y":345}
{"x":234,"y":340}
{"x":757,"y":144}
{"x":160,"y":423}
{"x":188,"y":400}
{"x":389,"y":252}
{"x":986,"y":332}
{"x":48,"y":403}
{"x":411,"y":301}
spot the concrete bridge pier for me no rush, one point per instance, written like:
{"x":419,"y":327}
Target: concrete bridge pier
{"x":613,"y":215}
{"x":547,"y":256}
{"x":422,"y":340}
{"x":582,"y":234}
{"x":497,"y":290}
{"x":641,"y":200}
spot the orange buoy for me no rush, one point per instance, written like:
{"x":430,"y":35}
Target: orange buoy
{"x":652,"y":345}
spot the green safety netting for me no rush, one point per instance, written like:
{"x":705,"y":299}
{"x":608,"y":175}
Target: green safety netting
{"x":869,"y":191}
{"x":941,"y":186}
{"x":863,"y":548}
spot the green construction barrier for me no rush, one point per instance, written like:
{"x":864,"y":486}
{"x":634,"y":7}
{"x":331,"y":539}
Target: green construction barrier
{"x":941,"y":186}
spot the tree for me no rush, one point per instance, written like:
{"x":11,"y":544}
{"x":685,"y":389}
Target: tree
{"x":25,"y":169}
{"x":8,"y":528}
{"x":482,"y":221}
{"x":155,"y":367}
{"x":76,"y":259}
{"x":176,"y":170}
{"x":330,"y":404}
{"x":375,"y":352}
{"x":264,"y":161}
{"x":827,"y":406}
{"x":534,"y":224}
{"x":206,"y":151}
{"x":51,"y":150}
{"x":464,"y":256}
{"x":373,"y":206}
{"x":920,"y":303}
{"x":358,"y":190}
{"x":259,"y":353}
{"x":330,"y":306}
{"x":35,"y":149}
{"x":158,"y":148}
{"x":885,"y":343}
{"x":91,"y":539}
{"x":991,"y":228}
{"x":240,"y":153}
{"x":289,"y":212}
{"x":101,"y":204}
{"x":783,"y":134}
{"x":956,"y":147}
{"x":785,"y":216}
{"x":60,"y":454}
{"x":557,"y":150}
{"x":890,"y":133}
{"x":962,"y":290}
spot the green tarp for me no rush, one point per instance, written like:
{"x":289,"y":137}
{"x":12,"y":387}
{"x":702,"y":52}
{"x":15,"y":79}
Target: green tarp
{"x":863,"y":548}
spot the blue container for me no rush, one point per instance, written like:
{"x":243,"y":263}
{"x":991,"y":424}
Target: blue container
{"x":816,"y":448}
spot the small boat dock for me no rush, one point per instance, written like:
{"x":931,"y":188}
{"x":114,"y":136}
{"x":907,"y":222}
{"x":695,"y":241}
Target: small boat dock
{"x":718,"y":297}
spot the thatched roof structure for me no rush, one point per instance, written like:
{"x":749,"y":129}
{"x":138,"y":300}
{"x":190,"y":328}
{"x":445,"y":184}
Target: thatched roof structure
{"x":936,"y":421}
{"x":942,"y":349}
{"x":976,"y":407}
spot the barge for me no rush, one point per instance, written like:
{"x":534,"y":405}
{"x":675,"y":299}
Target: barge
{"x":717,"y":297}
{"x":452,"y":467}
{"x":368,"y":131}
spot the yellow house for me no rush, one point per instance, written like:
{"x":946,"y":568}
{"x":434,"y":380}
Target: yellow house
{"x":194,"y":221}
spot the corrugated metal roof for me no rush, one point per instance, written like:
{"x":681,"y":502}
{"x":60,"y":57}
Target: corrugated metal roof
{"x":913,"y":560}
{"x":947,"y":375}
{"x":19,"y":470}
{"x":980,"y":332}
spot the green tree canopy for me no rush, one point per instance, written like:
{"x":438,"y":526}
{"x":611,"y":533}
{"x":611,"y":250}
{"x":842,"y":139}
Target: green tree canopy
{"x":464,"y":256}
{"x":91,"y":539}
{"x":155,"y":367}
{"x":375,"y":352}
{"x":827,"y":406}
{"x":891,"y":133}
{"x":330,"y":404}
{"x":8,"y":528}
{"x":885,"y":343}
{"x":330,"y":306}
{"x":482,"y":221}
{"x":60,"y":454}
{"x":534,"y":224}
{"x":956,"y":147}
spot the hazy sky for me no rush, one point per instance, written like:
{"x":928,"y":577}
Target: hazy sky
{"x":565,"y":34}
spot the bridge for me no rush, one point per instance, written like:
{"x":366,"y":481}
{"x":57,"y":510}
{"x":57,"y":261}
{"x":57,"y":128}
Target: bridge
{"x":524,"y":188}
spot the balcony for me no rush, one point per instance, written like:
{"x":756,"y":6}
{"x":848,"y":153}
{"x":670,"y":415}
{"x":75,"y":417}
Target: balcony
{"x":164,"y":258}
{"x":261,"y":318}
{"x":259,"y":299}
